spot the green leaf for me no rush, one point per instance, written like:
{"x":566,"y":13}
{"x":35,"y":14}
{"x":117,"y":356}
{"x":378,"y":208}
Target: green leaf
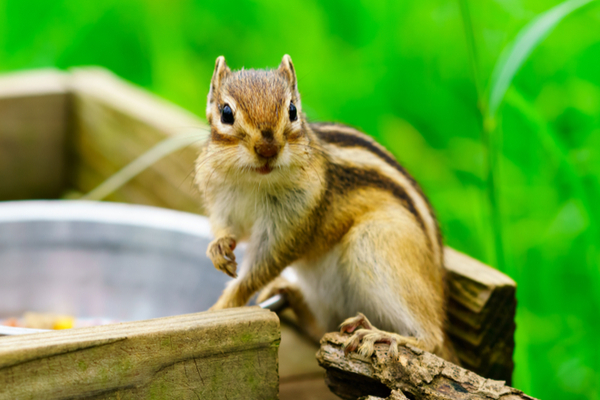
{"x":527,"y":40}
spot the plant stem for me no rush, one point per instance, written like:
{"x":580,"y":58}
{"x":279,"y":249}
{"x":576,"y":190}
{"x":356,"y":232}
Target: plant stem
{"x":488,"y":130}
{"x":471,"y":48}
{"x":491,"y":138}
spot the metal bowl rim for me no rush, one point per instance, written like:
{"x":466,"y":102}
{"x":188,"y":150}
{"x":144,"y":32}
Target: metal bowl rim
{"x":105,"y":212}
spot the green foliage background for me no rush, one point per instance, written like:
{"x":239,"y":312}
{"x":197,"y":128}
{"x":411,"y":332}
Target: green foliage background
{"x":400,"y":70}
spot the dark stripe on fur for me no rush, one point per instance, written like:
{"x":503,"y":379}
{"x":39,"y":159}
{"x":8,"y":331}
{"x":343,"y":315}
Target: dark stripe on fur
{"x":348,"y":140}
{"x":342,"y":139}
{"x":343,"y":179}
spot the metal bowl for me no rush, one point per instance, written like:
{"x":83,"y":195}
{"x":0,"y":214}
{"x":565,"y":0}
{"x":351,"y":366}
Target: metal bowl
{"x":93,"y":259}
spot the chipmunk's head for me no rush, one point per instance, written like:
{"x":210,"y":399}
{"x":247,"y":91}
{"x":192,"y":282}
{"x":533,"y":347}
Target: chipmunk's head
{"x":258,"y":116}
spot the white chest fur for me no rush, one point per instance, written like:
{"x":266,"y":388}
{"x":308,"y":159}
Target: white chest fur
{"x":333,"y":293}
{"x":258,"y":208}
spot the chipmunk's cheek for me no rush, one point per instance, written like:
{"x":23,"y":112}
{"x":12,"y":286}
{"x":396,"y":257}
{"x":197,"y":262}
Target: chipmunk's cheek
{"x":245,"y":160}
{"x":282,"y":159}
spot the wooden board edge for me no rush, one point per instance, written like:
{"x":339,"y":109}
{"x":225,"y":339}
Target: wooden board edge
{"x":129,"y":99}
{"x":468,"y":267}
{"x":33,"y":83}
{"x":23,"y":348}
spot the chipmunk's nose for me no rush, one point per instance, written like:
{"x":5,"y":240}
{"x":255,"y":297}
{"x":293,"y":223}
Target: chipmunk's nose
{"x":267,"y":146}
{"x":266,"y":149}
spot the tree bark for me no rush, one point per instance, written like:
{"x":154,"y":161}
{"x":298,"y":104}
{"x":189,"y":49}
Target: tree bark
{"x":415,"y":375}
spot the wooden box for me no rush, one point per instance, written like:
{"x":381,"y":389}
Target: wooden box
{"x":64,"y":133}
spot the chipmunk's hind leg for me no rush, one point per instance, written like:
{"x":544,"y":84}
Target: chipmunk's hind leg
{"x":364,"y":339}
{"x":306,"y":319}
{"x":393,"y":279}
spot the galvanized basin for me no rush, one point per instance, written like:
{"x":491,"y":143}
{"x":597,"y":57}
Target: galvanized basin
{"x":93,"y":259}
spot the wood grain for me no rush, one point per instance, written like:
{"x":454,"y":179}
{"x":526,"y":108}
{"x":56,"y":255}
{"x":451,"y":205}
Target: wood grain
{"x":197,"y":356}
{"x":116,"y":122}
{"x":34,"y":121}
{"x":481,"y":315}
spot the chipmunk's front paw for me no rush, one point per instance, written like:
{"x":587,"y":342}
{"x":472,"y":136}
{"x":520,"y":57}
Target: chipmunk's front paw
{"x":220,"y":251}
{"x":363,"y":340}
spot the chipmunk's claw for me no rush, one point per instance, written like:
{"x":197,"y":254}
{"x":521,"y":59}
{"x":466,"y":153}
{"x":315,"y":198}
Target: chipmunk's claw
{"x":350,"y":324}
{"x":220,"y":251}
{"x":363,"y":340}
{"x":367,"y":347}
{"x":354,"y":341}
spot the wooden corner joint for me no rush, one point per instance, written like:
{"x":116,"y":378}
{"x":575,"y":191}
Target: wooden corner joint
{"x":415,"y":375}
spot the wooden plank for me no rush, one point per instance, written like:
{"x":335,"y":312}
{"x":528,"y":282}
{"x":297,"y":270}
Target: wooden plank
{"x":300,"y":377}
{"x":33,"y":83}
{"x":87,"y":178}
{"x":416,"y":374}
{"x":309,"y":388}
{"x":481,"y":314}
{"x":34,"y":114}
{"x":206,"y":355}
{"x":151,"y":183}
{"x":115,"y":122}
{"x":299,"y":361}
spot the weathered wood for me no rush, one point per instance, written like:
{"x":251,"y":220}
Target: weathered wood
{"x":197,"y":356}
{"x":481,"y":314}
{"x":300,"y":377}
{"x":34,"y":114}
{"x":395,"y":395}
{"x":114,"y":123}
{"x":416,"y":375}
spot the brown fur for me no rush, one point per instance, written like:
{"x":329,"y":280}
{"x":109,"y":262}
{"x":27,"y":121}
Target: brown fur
{"x":341,"y":135}
{"x":327,"y":200}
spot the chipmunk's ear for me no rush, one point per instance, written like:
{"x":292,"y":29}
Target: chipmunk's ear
{"x":286,"y":68}
{"x":221,"y":71}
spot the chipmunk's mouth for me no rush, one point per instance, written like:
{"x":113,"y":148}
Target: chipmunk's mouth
{"x":264,"y":170}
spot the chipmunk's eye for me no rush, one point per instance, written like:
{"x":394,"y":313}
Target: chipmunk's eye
{"x":227,"y":115}
{"x":293,"y":112}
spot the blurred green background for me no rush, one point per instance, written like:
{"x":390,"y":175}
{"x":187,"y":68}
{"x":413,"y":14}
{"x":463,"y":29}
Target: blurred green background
{"x":402,"y":71}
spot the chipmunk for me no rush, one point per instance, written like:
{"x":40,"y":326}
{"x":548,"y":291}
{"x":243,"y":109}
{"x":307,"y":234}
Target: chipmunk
{"x":327,"y":201}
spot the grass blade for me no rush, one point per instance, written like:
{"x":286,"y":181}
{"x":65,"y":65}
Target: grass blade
{"x":131,"y":170}
{"x":526,"y":41}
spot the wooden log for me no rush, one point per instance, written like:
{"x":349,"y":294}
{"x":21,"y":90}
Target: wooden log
{"x":34,"y":115}
{"x":115,"y":122}
{"x":394,"y":395}
{"x":481,"y":313}
{"x":416,"y":375}
{"x":211,"y":355}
